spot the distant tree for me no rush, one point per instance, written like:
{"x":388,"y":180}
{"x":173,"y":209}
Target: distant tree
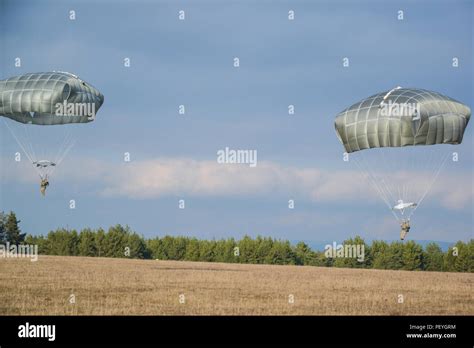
{"x":178,"y":248}
{"x":137,"y":247}
{"x":224,"y":250}
{"x":168,"y":248}
{"x":230,"y":251}
{"x":73,"y":243}
{"x":40,"y":241}
{"x":87,"y":243}
{"x":12,"y":230}
{"x":470,"y":251}
{"x":380,"y":254}
{"x":116,"y":241}
{"x":207,"y":251}
{"x":192,"y":250}
{"x":154,"y":247}
{"x":318,"y":259}
{"x":100,"y":243}
{"x":247,"y":250}
{"x":263,"y":247}
{"x":359,"y":252}
{"x":62,"y":242}
{"x":433,"y":257}
{"x":281,"y":254}
{"x":303,"y":254}
{"x":122,"y":242}
{"x":412,"y":256}
{"x":449,"y":259}
{"x":395,"y":255}
{"x":3,"y":220}
{"x":463,"y":259}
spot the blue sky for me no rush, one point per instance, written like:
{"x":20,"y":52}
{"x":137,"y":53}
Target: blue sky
{"x":190,"y":62}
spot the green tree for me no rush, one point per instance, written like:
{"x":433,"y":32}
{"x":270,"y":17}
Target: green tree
{"x":116,"y":241}
{"x":3,"y":220}
{"x":395,"y":255}
{"x":224,"y":250}
{"x":380,"y":254}
{"x":137,"y":247}
{"x":87,"y":243}
{"x":356,"y":250}
{"x":62,"y":242}
{"x":179,"y":248}
{"x":40,"y":241}
{"x":192,"y":250}
{"x":169,"y":248}
{"x":433,"y":257}
{"x":262,"y":247}
{"x":155,"y":248}
{"x":470,"y":251}
{"x":303,"y":253}
{"x":247,"y":250}
{"x":12,"y":230}
{"x":207,"y":251}
{"x":281,"y":254}
{"x":100,"y":243}
{"x":462,"y":261}
{"x":412,"y":256}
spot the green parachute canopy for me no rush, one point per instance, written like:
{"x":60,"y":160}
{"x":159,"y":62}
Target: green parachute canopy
{"x":392,"y":125}
{"x":32,"y":103}
{"x":402,"y":117}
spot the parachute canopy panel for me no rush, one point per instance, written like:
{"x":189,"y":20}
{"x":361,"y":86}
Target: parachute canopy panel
{"x":402,"y":117}
{"x":49,"y":98}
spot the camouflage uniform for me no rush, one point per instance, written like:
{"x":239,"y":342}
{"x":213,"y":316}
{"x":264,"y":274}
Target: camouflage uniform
{"x":44,"y":185}
{"x":405,"y":229}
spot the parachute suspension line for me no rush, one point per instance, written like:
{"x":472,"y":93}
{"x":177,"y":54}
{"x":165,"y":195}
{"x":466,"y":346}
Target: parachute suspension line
{"x":380,"y":180}
{"x":29,"y":143}
{"x":389,"y":168}
{"x":66,"y":145}
{"x":23,"y":148}
{"x":372,"y":180}
{"x":66,"y":150}
{"x":389,"y":187}
{"x":440,"y":167}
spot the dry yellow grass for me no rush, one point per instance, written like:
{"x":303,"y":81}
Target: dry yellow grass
{"x":148,"y":287}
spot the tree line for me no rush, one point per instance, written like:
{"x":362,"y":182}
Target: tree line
{"x":120,"y":241}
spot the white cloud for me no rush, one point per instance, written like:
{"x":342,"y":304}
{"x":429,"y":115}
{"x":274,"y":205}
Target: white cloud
{"x":187,"y":177}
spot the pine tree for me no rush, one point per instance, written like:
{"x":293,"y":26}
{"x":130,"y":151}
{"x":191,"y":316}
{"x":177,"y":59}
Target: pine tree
{"x":2,"y":227}
{"x":379,"y":254}
{"x":433,"y":257}
{"x":87,"y":245}
{"x":461,"y":262}
{"x":116,"y":241}
{"x":303,"y":254}
{"x":100,"y":244}
{"x":137,"y":247}
{"x":412,"y":256}
{"x":192,"y":250}
{"x":12,"y":230}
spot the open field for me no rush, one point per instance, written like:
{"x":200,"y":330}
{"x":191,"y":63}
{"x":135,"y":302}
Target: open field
{"x":149,"y":287}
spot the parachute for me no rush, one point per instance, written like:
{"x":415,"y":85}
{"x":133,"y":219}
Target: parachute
{"x":38,"y":101}
{"x":398,"y":140}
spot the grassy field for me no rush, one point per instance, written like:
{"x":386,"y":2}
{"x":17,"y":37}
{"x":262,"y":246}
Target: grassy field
{"x":96,"y":286}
